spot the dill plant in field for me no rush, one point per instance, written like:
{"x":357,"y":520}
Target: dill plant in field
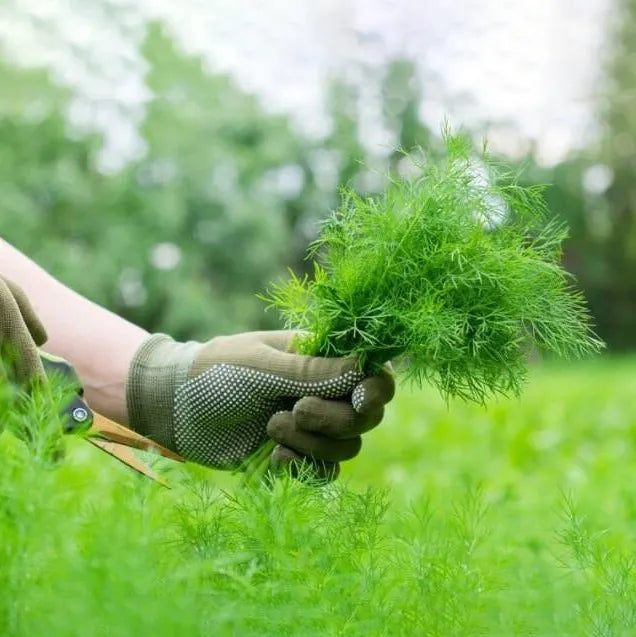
{"x":452,"y":274}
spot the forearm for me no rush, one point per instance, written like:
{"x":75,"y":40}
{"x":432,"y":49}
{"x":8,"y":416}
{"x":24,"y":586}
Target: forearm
{"x":98,"y":343}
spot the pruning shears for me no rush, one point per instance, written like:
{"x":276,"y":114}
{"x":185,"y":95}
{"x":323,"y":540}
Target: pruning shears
{"x":100,"y":431}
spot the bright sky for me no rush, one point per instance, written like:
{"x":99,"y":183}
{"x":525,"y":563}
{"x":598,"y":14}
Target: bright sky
{"x":523,"y":71}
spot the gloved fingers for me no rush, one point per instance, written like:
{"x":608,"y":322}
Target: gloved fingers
{"x":276,"y":371}
{"x":282,"y":428}
{"x":299,"y":367}
{"x":373,"y":392}
{"x":284,"y":459}
{"x":31,"y":320}
{"x":369,"y":395}
{"x":334,"y":418}
{"x":17,"y":346}
{"x":281,"y":340}
{"x":23,"y":361}
{"x":339,"y":374}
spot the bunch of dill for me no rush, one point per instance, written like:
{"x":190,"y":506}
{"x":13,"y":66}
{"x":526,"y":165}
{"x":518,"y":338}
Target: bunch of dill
{"x":452,"y":274}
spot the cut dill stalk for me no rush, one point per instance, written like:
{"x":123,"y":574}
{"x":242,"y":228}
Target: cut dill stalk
{"x":452,"y":274}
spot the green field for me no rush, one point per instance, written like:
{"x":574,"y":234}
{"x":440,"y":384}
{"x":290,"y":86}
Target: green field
{"x":519,"y":519}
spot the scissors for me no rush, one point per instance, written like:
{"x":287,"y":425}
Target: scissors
{"x":100,"y":431}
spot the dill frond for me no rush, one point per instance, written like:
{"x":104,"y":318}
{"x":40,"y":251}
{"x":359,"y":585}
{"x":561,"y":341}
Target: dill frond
{"x":452,"y":275}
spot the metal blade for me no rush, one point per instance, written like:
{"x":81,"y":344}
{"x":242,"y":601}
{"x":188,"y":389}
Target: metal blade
{"x":125,"y":455}
{"x":104,"y":428}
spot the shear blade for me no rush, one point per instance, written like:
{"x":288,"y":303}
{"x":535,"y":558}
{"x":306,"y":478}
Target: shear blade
{"x":125,"y":455}
{"x":106,"y":429}
{"x":117,"y":441}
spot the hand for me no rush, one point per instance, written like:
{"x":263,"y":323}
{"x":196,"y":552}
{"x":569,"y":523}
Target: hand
{"x":21,"y":332}
{"x":217,"y":403}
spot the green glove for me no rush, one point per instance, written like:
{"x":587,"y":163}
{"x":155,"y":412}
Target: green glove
{"x":216,"y":403}
{"x":21,"y":332}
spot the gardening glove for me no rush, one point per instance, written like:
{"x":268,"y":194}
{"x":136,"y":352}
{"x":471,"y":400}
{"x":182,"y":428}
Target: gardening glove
{"x":216,"y":403}
{"x":20,"y":335}
{"x":21,"y":332}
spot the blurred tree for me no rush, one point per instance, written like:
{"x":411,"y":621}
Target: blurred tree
{"x":214,"y":186}
{"x":619,"y":200}
{"x":179,"y":240}
{"x":402,"y":96}
{"x":595,"y":191}
{"x":49,"y":191}
{"x":225,"y":196}
{"x":345,"y":136}
{"x":587,"y":217}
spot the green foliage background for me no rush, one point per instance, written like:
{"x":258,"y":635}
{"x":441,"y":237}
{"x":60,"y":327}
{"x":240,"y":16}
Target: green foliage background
{"x":238,"y":192}
{"x":212,"y":183}
{"x":531,"y":533}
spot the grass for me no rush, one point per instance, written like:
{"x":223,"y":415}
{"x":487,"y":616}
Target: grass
{"x":518,"y":519}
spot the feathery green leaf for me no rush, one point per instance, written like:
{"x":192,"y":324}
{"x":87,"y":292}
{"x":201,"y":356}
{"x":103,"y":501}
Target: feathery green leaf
{"x":452,"y":274}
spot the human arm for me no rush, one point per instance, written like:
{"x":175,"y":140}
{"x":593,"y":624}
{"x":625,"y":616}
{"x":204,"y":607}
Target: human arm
{"x":99,"y":343}
{"x":217,"y":402}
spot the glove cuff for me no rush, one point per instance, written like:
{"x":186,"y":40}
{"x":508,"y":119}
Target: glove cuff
{"x":158,"y":368}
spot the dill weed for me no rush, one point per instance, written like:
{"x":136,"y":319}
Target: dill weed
{"x":452,"y":275}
